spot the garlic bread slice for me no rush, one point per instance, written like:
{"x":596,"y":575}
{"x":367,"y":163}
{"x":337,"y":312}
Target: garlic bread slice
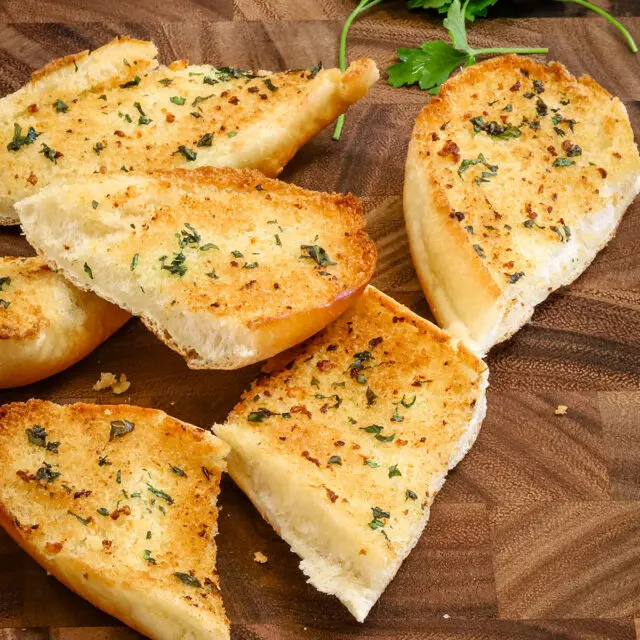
{"x":115,"y":109}
{"x":226,"y":266}
{"x":119,"y":504}
{"x":517,"y":175}
{"x":47,"y":324}
{"x":343,"y":444}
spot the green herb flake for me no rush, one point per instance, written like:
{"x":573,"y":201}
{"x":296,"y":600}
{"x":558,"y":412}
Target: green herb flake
{"x":87,"y":270}
{"x":318,"y":254}
{"x":394,"y":471}
{"x":103,"y":511}
{"x":120,"y":428}
{"x":165,"y":82}
{"x":396,"y":416}
{"x":176,"y":266}
{"x":60,"y":106}
{"x":6,"y":280}
{"x":206,"y":140}
{"x":98,"y":147}
{"x":188,"y":579}
{"x":379,"y":516}
{"x":50,"y":154}
{"x":313,"y":72}
{"x":335,"y":460}
{"x":480,"y":251}
{"x":408,"y":404}
{"x":134,"y":261}
{"x":178,"y":471}
{"x":160,"y":494}
{"x":411,"y":495}
{"x":260,"y":415}
{"x":147,"y":556}
{"x":19,"y":140}
{"x":84,"y":521}
{"x":132,"y":83}
{"x":45,"y":472}
{"x":270,"y":85}
{"x":189,"y":154}
{"x":563,"y":162}
{"x":179,"y":100}
{"x":232,"y":134}
{"x":94,"y":204}
{"x":371,"y":463}
{"x":237,"y":254}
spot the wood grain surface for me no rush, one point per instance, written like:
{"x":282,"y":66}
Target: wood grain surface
{"x":537,"y":532}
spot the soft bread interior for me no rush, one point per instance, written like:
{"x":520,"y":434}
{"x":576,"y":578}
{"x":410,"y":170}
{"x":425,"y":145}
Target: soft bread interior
{"x":326,"y":544}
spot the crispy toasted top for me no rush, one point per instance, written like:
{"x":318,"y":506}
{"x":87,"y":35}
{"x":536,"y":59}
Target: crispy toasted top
{"x":125,"y":118}
{"x":368,"y":414}
{"x":125,"y":494}
{"x":30,"y":296}
{"x":223,"y":242}
{"x":518,"y":154}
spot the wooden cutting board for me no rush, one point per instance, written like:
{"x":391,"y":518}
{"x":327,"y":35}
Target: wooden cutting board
{"x":537,"y":532}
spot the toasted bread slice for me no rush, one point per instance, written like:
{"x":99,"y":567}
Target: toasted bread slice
{"x":113,"y":114}
{"x":119,"y":504}
{"x":343,"y":446}
{"x":226,"y":266}
{"x":47,"y":324}
{"x":517,"y":175}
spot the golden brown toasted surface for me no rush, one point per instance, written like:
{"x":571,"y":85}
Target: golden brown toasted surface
{"x":367,"y":415}
{"x":46,"y":324}
{"x":518,"y":154}
{"x":21,"y":282}
{"x":116,"y":500}
{"x":175,"y":116}
{"x":231,"y":246}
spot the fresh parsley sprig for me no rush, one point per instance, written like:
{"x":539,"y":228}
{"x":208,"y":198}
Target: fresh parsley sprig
{"x":363,"y":5}
{"x":433,"y":63}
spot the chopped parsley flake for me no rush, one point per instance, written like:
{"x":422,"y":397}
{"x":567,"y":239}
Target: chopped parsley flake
{"x":19,"y":140}
{"x":378,"y":518}
{"x":87,"y":270}
{"x":394,"y":471}
{"x":60,"y":106}
{"x":188,"y":579}
{"x":177,"y":100}
{"x":317,"y":253}
{"x":120,"y":428}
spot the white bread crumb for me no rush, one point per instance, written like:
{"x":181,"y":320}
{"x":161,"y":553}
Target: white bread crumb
{"x":259,"y":557}
{"x":117,"y":384}
{"x":561,"y":410}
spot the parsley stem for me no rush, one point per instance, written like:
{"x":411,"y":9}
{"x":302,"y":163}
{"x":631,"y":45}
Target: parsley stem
{"x":607,"y":16}
{"x":363,"y":5}
{"x":491,"y":51}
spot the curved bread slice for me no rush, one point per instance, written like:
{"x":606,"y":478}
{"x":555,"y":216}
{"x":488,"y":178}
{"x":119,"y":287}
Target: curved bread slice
{"x":343,"y":447}
{"x":517,"y":175}
{"x":46,"y":324}
{"x":119,"y":504}
{"x":227,"y":267}
{"x":112,"y":114}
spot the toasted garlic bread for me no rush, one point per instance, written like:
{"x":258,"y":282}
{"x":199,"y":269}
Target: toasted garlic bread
{"x":343,"y":446}
{"x":47,"y":324}
{"x":226,"y":266}
{"x":119,"y":504}
{"x":111,"y":115}
{"x":516,"y":176}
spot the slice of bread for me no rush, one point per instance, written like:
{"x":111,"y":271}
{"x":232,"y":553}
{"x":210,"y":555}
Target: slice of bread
{"x":113,"y":113}
{"x":517,"y":175}
{"x":47,"y":324}
{"x":226,"y":266}
{"x":119,"y":504}
{"x":344,"y":444}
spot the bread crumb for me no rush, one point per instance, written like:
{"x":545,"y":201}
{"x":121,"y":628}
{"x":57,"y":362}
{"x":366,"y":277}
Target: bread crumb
{"x":561,"y":410}
{"x":259,"y":557}
{"x":446,"y":616}
{"x":117,"y":384}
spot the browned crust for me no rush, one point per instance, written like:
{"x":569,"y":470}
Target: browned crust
{"x":67,"y":61}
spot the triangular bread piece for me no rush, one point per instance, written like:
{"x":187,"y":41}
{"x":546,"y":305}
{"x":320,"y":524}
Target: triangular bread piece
{"x":119,"y":504}
{"x":344,"y":444}
{"x":517,"y":175}
{"x":47,"y":324}
{"x":226,"y":266}
{"x":112,"y":109}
